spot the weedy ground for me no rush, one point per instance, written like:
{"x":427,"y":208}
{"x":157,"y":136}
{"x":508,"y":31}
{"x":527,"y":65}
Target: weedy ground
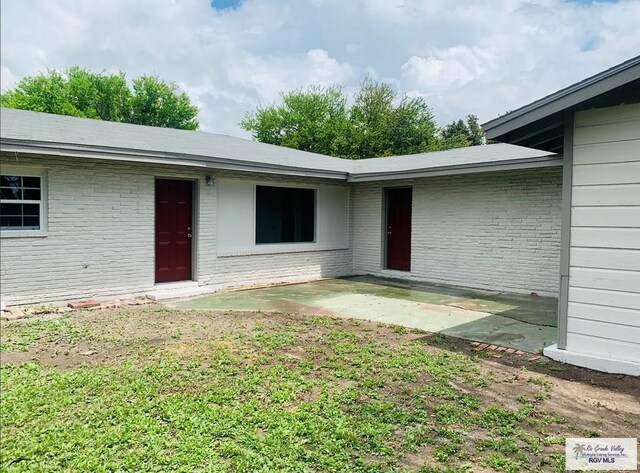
{"x":154,"y":389}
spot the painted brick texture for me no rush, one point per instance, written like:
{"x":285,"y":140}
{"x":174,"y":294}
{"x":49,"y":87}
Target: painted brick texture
{"x":100,"y":238}
{"x":497,"y":231}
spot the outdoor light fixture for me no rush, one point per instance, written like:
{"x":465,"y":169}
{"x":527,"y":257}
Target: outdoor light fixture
{"x":209,"y":180}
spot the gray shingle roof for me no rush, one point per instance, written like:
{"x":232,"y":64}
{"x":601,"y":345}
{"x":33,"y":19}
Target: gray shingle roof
{"x":63,"y":135}
{"x":64,"y":130}
{"x":459,"y":158}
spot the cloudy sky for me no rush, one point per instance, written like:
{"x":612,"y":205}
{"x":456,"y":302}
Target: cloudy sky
{"x":482,"y":57}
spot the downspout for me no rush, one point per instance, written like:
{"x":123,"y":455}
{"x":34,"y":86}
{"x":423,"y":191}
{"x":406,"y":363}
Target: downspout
{"x":565,"y":236}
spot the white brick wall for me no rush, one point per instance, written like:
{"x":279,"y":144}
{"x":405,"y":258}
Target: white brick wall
{"x":277,"y":267}
{"x":498,"y":231}
{"x":101,"y":233}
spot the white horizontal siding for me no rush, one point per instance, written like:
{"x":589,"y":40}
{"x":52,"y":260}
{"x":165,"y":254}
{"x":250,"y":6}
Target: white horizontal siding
{"x":497,"y":231}
{"x":614,"y":349}
{"x":603,"y":116}
{"x":607,"y":329}
{"x":603,"y":316}
{"x":610,"y":152}
{"x":622,"y":130}
{"x":612,"y":279}
{"x":605,"y":258}
{"x":623,"y":238}
{"x":610,"y":315}
{"x":604,"y":298}
{"x":615,"y":173}
{"x":592,"y":196}
{"x":621,"y":217}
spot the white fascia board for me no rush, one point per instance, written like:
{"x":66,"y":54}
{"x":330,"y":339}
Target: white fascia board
{"x":165,"y":159}
{"x":562,"y":100}
{"x":456,"y":170}
{"x":226,"y":164}
{"x":93,"y":155}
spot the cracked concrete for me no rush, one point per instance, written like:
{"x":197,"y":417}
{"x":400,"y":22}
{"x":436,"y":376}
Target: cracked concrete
{"x":522,"y":322}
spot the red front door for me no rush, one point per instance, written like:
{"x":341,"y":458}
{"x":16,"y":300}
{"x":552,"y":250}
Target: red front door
{"x":398,"y":205}
{"x":174,"y":228}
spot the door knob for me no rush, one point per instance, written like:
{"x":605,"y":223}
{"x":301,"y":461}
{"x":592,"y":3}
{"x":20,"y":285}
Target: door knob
{"x":189,"y":235}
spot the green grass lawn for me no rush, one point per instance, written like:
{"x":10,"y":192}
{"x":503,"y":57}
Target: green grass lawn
{"x":151,"y":389}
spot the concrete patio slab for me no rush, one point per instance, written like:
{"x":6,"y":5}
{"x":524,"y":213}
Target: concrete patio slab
{"x":522,"y":322}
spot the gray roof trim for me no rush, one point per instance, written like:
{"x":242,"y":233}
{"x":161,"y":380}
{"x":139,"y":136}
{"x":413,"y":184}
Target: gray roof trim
{"x":531,"y":163}
{"x":81,"y":133}
{"x":565,"y":98}
{"x":33,"y":133}
{"x":143,"y":156}
{"x":87,"y":152}
{"x":17,"y":149}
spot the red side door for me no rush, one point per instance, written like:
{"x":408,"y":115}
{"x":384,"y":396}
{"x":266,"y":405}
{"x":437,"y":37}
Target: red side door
{"x":174,"y":213}
{"x":398,"y":205}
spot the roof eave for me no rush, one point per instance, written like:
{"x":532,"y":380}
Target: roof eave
{"x":507,"y":165}
{"x":564,"y":99}
{"x":213,"y":163}
{"x":149,"y":157}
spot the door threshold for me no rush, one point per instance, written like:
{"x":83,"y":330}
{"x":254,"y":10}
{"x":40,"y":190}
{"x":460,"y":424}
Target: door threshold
{"x":177,"y":290}
{"x":176,"y":284}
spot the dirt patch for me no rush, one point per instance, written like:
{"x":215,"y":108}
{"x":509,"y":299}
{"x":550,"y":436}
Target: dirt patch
{"x":609,"y":403}
{"x":113,"y":333}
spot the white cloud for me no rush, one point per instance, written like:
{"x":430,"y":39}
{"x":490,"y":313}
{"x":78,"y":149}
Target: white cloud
{"x":269,"y":75}
{"x":464,"y":56}
{"x":434,"y":74}
{"x":7,"y":78}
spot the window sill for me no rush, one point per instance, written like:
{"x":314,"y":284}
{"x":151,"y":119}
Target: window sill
{"x":271,"y":250}
{"x":23,"y":234}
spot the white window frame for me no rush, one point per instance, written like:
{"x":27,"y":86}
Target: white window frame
{"x":243,"y":213}
{"x":28,"y":172}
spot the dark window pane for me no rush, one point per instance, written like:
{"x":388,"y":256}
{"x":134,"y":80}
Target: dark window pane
{"x":19,"y":215}
{"x":11,"y":193}
{"x":31,"y":194}
{"x":32,"y":222}
{"x":306,"y":215}
{"x":10,"y":221}
{"x":31,"y":209}
{"x":11,"y":209}
{"x":28,"y":181}
{"x":10,"y":181}
{"x":284,"y":215}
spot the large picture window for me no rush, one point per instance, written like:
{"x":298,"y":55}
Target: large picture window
{"x":285,"y":215}
{"x":21,"y":202}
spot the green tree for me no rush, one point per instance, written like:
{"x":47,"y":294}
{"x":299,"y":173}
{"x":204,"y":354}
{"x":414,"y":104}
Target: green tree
{"x":476,"y":133}
{"x":158,"y":103}
{"x":378,"y":123}
{"x":314,"y":120}
{"x":460,"y":134}
{"x":381,"y":128}
{"x":104,"y":96}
